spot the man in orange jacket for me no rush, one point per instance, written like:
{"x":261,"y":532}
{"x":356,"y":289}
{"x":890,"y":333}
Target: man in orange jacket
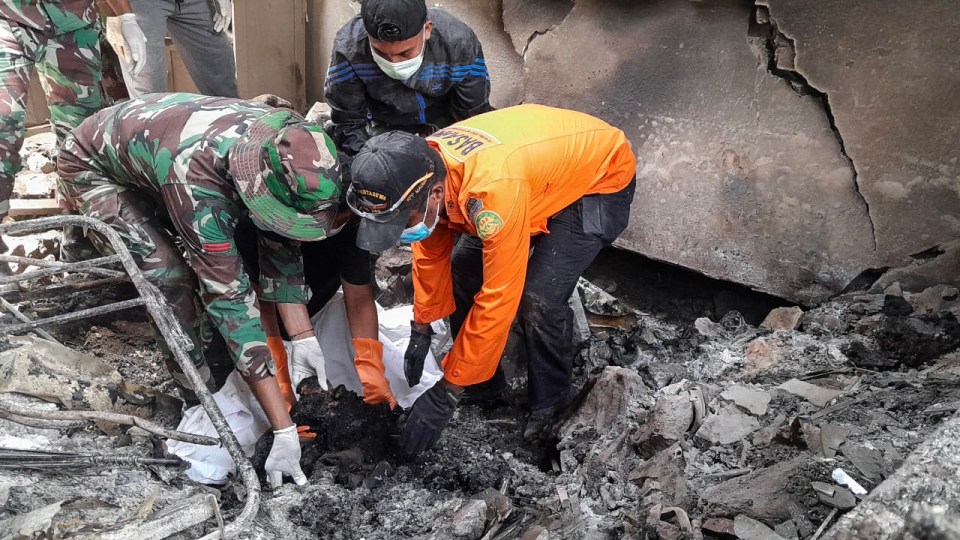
{"x":560,"y":182}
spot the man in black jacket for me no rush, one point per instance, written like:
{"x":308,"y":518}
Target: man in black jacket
{"x":400,"y":66}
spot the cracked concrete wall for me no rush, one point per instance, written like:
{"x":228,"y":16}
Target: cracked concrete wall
{"x":789,"y":146}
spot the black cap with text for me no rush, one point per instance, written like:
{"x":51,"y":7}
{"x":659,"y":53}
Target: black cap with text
{"x":393,"y":20}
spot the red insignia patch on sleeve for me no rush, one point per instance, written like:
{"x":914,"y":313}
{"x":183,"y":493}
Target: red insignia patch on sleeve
{"x":217,"y":248}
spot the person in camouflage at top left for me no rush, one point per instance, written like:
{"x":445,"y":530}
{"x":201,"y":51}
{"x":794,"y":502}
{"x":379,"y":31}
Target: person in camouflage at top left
{"x":60,"y":40}
{"x":192,"y":166}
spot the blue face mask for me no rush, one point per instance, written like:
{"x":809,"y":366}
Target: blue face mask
{"x":420,"y":231}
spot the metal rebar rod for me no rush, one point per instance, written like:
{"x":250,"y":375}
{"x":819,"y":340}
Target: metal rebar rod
{"x":7,"y":329}
{"x":66,"y":288}
{"x":23,"y":318}
{"x":71,"y":267}
{"x":43,"y":263}
{"x":179,"y":344}
{"x":42,"y":424}
{"x":116,"y":418}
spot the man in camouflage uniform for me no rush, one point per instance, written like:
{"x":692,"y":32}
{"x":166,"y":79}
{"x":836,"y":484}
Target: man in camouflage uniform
{"x":193,"y":165}
{"x":59,"y":39}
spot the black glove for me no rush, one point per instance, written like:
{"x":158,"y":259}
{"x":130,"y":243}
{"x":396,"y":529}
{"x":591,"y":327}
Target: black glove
{"x":430,"y":414}
{"x":416,"y":354}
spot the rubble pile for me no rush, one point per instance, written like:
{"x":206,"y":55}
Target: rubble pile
{"x":690,"y":427}
{"x":699,"y":430}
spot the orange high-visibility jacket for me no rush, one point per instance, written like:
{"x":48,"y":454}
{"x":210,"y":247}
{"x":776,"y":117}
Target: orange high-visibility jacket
{"x":508,"y":172}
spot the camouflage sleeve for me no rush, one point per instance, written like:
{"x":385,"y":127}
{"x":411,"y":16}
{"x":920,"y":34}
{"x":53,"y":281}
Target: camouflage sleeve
{"x":205,"y":219}
{"x":281,"y":271}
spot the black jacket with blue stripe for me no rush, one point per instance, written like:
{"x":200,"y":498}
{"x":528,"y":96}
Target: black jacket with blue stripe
{"x":452,"y":83}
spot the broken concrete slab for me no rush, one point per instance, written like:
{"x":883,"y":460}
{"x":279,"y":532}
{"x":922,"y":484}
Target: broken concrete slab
{"x":868,"y":461}
{"x":893,"y":168}
{"x":669,"y":420}
{"x":721,"y":528}
{"x":607,"y":403}
{"x":727,"y":426}
{"x":831,"y":437}
{"x":817,"y":395}
{"x":761,"y":494}
{"x":468,"y":522}
{"x":834,"y":496}
{"x":755,"y":401}
{"x":923,"y":272}
{"x":783,"y":318}
{"x":748,"y":528}
{"x":691,"y":139}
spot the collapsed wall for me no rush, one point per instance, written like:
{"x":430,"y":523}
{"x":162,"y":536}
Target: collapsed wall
{"x":786,"y":146}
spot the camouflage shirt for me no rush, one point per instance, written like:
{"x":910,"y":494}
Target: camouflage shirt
{"x":174,"y":148}
{"x":55,"y":16}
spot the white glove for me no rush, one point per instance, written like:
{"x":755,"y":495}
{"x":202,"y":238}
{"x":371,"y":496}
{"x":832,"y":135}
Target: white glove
{"x":126,"y":37}
{"x":306,"y":360}
{"x":284,"y":458}
{"x":223,"y":16}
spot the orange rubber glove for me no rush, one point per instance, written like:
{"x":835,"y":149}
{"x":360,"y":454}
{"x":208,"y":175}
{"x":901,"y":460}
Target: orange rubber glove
{"x":369,"y":363}
{"x":275,"y":344}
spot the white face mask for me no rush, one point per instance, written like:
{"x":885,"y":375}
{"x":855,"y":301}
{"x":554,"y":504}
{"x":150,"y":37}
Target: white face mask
{"x":402,"y":70}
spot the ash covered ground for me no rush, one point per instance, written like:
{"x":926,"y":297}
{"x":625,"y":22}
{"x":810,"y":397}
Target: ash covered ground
{"x":693,"y":421}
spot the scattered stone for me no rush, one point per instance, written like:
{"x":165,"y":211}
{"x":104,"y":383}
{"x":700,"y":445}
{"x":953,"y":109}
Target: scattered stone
{"x":35,"y":524}
{"x":760,"y":355}
{"x":671,"y":418}
{"x":894,"y":304}
{"x":788,"y":530}
{"x":665,"y":473}
{"x":834,"y":496}
{"x":868,"y":461}
{"x":949,"y":293}
{"x":379,"y":475}
{"x":748,"y":528}
{"x":929,"y":301}
{"x":607,"y":402}
{"x":783,"y":318}
{"x":536,"y":533}
{"x":469,"y":521}
{"x":599,"y":301}
{"x":755,"y":401}
{"x":721,"y":528}
{"x":498,"y":504}
{"x":766,"y":435}
{"x":761,"y":494}
{"x":817,"y":395}
{"x":832,"y":436}
{"x":803,"y":429}
{"x":918,"y":339}
{"x":727,"y":426}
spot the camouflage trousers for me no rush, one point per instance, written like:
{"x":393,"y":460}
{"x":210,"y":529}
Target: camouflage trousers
{"x":145,"y":230}
{"x":69,"y":69}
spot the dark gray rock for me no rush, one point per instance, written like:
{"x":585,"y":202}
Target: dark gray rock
{"x":761,"y":494}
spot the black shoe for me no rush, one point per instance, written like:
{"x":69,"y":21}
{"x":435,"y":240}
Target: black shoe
{"x":541,"y":421}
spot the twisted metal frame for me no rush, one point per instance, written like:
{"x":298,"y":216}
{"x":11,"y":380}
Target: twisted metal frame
{"x":166,"y":322}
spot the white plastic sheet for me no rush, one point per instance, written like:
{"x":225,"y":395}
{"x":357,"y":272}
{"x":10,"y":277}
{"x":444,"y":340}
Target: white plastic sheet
{"x":212,"y":465}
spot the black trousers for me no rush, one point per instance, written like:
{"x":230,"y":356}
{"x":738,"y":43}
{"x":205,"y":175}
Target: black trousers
{"x":558,"y":259}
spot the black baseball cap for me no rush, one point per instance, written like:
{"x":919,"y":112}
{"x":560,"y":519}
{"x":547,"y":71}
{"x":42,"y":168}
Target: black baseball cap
{"x":387,"y":173}
{"x":393,"y":20}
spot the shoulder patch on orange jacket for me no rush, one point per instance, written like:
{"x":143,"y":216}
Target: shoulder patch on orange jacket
{"x":488,"y":224}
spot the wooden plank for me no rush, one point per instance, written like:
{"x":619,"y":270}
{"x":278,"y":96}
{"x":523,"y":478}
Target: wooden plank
{"x":270,"y":40}
{"x":34,"y":207}
{"x":37,"y":110}
{"x":178,"y":78}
